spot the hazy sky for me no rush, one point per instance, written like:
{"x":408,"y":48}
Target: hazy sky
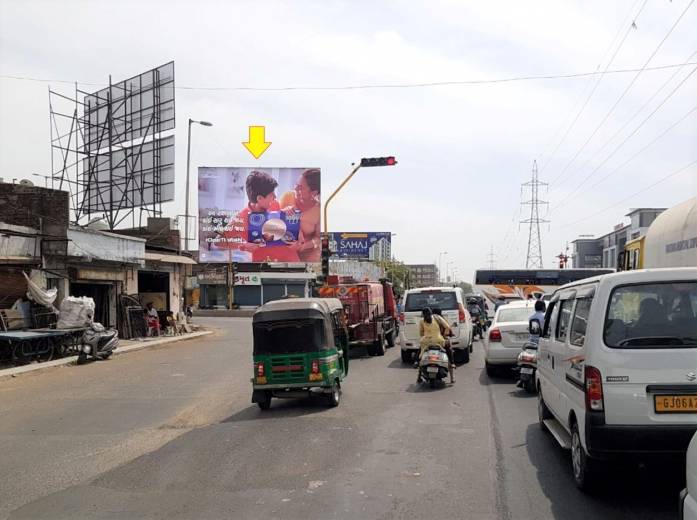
{"x":463,"y":150}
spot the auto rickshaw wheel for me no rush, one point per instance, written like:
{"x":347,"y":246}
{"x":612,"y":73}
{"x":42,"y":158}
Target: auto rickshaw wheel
{"x":265,"y":402}
{"x":334,"y":398}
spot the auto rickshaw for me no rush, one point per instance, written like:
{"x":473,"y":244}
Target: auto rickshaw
{"x":300,"y":350}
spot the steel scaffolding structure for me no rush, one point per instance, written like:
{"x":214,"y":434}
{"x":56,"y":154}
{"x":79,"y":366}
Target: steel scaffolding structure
{"x":534,"y":254}
{"x":108,"y":149}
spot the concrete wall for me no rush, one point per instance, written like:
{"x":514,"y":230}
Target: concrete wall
{"x":39,"y":208}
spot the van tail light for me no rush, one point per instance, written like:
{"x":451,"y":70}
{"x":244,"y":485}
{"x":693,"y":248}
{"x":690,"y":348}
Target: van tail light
{"x":315,"y":367}
{"x":401,"y":317}
{"x":461,"y":314}
{"x":260,"y":369}
{"x":594,"y":389}
{"x":494,"y":335}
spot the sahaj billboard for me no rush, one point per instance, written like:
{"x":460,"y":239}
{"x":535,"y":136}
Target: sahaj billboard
{"x":259,"y":215}
{"x":369,"y":245}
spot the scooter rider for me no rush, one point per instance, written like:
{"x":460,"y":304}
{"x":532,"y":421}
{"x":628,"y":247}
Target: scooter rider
{"x":431,"y":332}
{"x":447,"y":333}
{"x":538,"y":315}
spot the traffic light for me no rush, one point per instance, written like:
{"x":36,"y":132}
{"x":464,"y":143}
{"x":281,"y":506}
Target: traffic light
{"x":378,"y":161}
{"x":325,"y":257}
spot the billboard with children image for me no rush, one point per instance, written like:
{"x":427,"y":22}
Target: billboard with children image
{"x":259,"y":214}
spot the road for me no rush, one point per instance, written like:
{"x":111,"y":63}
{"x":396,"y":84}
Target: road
{"x":170,"y":432}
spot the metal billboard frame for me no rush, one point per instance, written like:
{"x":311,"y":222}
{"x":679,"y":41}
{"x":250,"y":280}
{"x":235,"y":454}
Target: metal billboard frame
{"x":108,"y":147}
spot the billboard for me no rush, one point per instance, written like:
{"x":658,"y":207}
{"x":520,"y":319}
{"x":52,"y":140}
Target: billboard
{"x":259,"y":214}
{"x":368,"y":245}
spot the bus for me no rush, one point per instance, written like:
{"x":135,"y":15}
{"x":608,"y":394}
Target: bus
{"x":518,"y":284}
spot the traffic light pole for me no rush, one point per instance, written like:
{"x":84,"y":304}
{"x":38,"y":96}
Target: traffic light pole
{"x":326,"y":204}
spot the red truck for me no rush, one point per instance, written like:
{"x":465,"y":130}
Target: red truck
{"x":371,"y":310}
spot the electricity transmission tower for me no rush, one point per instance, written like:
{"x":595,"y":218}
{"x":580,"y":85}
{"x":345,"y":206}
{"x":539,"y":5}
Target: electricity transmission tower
{"x":534,"y":257}
{"x":491,"y":259}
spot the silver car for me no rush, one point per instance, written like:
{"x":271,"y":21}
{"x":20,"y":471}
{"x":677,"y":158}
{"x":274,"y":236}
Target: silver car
{"x":507,"y":334}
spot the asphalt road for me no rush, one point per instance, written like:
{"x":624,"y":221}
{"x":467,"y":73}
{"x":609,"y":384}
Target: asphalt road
{"x":170,"y":433}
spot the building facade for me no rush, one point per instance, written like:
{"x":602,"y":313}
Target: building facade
{"x":422,"y":275}
{"x":603,"y":251}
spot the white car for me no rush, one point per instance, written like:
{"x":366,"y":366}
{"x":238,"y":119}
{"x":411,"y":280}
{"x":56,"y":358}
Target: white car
{"x":688,"y":498}
{"x":617,"y":367}
{"x":451,"y":302}
{"x":508,"y":333}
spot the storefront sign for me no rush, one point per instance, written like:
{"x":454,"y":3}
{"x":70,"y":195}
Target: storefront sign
{"x":93,"y":274}
{"x":247,"y":279}
{"x":212,"y":278}
{"x":191,"y":282}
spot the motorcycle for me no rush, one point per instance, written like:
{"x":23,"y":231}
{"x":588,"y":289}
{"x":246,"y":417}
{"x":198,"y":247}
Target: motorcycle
{"x":477,"y":327}
{"x":98,"y":343}
{"x":434,"y":365}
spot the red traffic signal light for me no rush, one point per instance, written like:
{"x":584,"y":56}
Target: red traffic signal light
{"x":378,"y":161}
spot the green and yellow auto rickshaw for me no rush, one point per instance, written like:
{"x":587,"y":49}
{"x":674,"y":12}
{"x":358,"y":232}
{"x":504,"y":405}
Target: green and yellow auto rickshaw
{"x":300,"y":349}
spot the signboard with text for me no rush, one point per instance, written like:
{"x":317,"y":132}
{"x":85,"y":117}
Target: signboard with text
{"x":368,"y":245}
{"x":250,"y":215}
{"x":247,"y":279}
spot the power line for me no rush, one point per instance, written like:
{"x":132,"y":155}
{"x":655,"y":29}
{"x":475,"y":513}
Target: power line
{"x":377,"y":85}
{"x":647,"y":188}
{"x":632,"y":134}
{"x":597,"y":83}
{"x":647,"y":103}
{"x":624,"y":93}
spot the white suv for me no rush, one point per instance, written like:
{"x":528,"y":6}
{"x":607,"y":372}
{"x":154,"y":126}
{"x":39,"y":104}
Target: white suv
{"x":617,"y":366}
{"x":451,"y":302}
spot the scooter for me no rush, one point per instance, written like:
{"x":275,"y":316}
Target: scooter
{"x":98,"y":343}
{"x":434,"y":365}
{"x":527,"y":365}
{"x":477,"y":328}
{"x":527,"y":359}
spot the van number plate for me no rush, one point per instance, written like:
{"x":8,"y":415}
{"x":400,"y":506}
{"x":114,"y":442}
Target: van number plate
{"x":675,"y":403}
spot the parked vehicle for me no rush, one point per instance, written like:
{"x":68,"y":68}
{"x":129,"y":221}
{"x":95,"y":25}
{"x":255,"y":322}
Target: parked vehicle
{"x":434,"y":365}
{"x":616,"y":367}
{"x":688,"y":496}
{"x":508,"y":333}
{"x":300,"y":349}
{"x":450,"y":300}
{"x":371,"y":312}
{"x":97,"y":343}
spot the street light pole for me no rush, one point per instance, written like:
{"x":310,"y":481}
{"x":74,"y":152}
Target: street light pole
{"x":440,"y":274}
{"x":188,"y":167}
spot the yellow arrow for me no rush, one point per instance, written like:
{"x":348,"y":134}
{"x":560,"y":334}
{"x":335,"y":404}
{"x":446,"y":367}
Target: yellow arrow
{"x":257,"y":144}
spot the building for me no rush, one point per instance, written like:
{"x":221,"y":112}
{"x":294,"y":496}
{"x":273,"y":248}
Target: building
{"x":381,"y":251}
{"x":603,"y":251}
{"x":252,"y":284}
{"x":36,"y":238}
{"x":422,"y":275}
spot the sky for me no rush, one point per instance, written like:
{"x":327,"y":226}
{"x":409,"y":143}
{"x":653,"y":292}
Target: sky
{"x":605,"y":143}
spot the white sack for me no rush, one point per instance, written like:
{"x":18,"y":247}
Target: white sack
{"x":75,"y":312}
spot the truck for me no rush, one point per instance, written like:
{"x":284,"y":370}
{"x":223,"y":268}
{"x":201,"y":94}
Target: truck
{"x":670,"y":241}
{"x":371,"y":311}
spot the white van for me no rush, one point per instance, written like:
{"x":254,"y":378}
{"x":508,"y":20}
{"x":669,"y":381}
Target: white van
{"x":617,"y":366}
{"x":688,"y":497}
{"x":451,"y":302}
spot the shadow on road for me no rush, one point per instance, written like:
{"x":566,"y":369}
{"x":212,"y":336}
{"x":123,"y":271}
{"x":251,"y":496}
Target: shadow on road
{"x":502,"y":377}
{"x":280,"y":408}
{"x":397,"y":363}
{"x":623,"y":491}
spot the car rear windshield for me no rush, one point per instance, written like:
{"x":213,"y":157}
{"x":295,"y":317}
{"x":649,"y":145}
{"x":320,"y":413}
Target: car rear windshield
{"x":289,"y":337}
{"x":443,"y":300}
{"x":658,"y":315}
{"x":515,"y":314}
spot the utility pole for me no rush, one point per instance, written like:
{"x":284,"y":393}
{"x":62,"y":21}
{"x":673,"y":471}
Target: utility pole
{"x":491,"y":259}
{"x":534,"y":256}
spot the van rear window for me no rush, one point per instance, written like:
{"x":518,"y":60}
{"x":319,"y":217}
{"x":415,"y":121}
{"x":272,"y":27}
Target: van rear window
{"x":659,"y":315}
{"x":445,"y":301}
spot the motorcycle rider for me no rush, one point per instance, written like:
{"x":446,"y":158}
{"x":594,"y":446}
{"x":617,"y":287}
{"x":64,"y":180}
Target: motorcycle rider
{"x":432,"y":328}
{"x":538,"y":315}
